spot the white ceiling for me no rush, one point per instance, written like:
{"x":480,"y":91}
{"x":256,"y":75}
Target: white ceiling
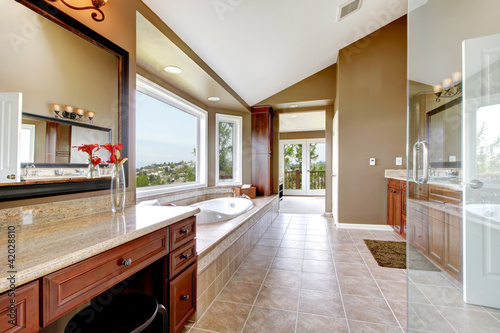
{"x":302,"y":121}
{"x":261,"y":47}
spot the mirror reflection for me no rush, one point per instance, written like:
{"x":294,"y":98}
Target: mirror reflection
{"x":45,"y":140}
{"x":75,"y":72}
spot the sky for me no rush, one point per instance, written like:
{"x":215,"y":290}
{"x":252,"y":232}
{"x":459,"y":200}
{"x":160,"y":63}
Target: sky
{"x":164,"y":133}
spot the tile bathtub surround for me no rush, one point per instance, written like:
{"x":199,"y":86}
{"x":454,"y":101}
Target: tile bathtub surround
{"x":305,"y":275}
{"x":218,"y":262}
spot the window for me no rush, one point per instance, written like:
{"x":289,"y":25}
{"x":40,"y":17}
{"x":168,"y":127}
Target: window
{"x":171,"y":141}
{"x":228,"y":149}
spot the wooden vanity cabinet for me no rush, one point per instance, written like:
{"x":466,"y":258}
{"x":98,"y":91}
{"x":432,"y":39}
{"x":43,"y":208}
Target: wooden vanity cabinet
{"x":182,"y":298}
{"x":26,"y":302}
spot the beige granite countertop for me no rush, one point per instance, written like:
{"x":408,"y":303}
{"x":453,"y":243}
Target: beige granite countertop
{"x":400,"y":174}
{"x":45,"y":247}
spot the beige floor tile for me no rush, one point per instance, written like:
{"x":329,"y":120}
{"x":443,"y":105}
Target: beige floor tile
{"x":269,"y":242}
{"x":278,"y":298}
{"x":270,"y":320}
{"x":446,"y":297}
{"x":348,"y":257}
{"x":321,"y":303}
{"x":365,"y":327}
{"x":464,"y":320}
{"x":353,"y":285}
{"x":290,"y":253}
{"x":317,"y":246}
{"x":289,"y":264}
{"x":283,"y":278}
{"x":266,"y":251}
{"x":309,"y":323}
{"x":350,"y":269}
{"x":224,"y":317}
{"x":426,"y":317}
{"x":317,"y":238}
{"x":318,"y":255}
{"x":344,"y":247}
{"x":318,"y":281}
{"x":239,"y":292}
{"x":249,"y":273}
{"x":292,"y":244}
{"x":373,"y":310}
{"x":294,"y":237}
{"x":393,"y":289}
{"x":258,"y":261}
{"x":388,"y":274}
{"x":318,"y":266}
{"x":400,"y":310}
{"x":272,"y":235}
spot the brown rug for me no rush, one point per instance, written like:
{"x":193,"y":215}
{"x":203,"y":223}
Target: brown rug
{"x":388,"y":253}
{"x":393,"y":254}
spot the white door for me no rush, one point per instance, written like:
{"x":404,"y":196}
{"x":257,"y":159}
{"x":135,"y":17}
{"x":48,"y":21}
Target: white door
{"x":303,"y":166}
{"x":335,"y":168}
{"x":481,"y":96}
{"x":10,"y":128}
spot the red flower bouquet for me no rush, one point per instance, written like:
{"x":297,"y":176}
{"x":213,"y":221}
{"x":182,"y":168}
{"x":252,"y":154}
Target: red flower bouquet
{"x":93,"y":160}
{"x":117,"y":176}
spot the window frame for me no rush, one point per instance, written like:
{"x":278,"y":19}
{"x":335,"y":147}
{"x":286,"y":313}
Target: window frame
{"x":158,"y":92}
{"x":237,"y":122}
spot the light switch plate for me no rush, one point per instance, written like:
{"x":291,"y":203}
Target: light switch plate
{"x":399,"y":161}
{"x":453,"y":159}
{"x":372,"y":161}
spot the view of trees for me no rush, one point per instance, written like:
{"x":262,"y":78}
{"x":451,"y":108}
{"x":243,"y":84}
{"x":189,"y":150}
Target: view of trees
{"x":293,"y":165}
{"x":225,"y":150}
{"x":488,"y":152}
{"x":166,"y":173}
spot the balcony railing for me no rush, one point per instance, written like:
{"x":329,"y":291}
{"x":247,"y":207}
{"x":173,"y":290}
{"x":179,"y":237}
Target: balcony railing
{"x":293,"y":180}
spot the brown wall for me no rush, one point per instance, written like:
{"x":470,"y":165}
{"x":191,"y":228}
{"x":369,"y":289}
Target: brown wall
{"x":372,"y":120}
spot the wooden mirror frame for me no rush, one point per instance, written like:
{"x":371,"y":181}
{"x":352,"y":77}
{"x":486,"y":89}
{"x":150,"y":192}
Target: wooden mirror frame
{"x":24,"y":190}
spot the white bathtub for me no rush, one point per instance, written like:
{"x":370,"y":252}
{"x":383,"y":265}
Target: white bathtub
{"x":221,"y":209}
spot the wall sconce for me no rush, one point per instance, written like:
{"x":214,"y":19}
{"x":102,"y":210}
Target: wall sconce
{"x":450,"y":87}
{"x":71,"y":113}
{"x":96,"y":5}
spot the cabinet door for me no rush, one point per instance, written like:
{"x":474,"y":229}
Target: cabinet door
{"x":394,"y":209}
{"x":26,"y":305}
{"x":436,"y":240}
{"x":419,"y":236}
{"x":182,"y":298}
{"x":453,"y":246}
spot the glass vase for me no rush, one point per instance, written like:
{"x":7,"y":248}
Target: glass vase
{"x":93,"y":172}
{"x":117,"y":188}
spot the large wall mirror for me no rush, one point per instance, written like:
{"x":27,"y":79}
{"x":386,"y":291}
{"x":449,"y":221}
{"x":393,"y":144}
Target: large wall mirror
{"x":48,"y":57}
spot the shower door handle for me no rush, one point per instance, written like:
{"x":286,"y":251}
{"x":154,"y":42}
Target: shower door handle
{"x":421,"y":147}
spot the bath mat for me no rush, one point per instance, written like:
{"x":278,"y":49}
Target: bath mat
{"x":393,"y":254}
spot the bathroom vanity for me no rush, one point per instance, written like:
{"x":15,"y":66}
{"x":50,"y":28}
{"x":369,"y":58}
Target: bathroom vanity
{"x":62,"y":265}
{"x":435,"y":216}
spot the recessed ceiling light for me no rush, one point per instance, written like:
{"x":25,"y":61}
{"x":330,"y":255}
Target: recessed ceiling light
{"x":299,"y":128}
{"x":214,"y":99}
{"x":292,"y":105}
{"x":294,"y":116}
{"x":173,"y":70}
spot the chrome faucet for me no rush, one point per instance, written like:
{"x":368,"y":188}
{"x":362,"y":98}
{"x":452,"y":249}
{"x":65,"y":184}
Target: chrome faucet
{"x":233,"y":192}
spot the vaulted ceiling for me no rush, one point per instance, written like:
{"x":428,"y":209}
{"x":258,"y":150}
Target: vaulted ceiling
{"x":260,"y":47}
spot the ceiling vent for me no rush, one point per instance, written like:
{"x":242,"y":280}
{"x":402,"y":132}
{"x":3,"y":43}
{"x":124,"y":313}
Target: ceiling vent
{"x":348,"y":8}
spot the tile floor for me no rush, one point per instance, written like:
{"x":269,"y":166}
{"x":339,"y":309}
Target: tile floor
{"x":305,"y":275}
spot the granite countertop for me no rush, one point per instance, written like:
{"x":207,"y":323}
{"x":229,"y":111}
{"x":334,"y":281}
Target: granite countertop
{"x":45,"y":247}
{"x":400,"y":174}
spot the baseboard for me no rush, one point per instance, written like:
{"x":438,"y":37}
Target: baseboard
{"x":327,"y":215}
{"x":380,"y":227}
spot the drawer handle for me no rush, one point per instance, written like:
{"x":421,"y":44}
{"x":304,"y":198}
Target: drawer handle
{"x":184,"y":256}
{"x":184,"y":231}
{"x":185,"y":298}
{"x":127,"y":262}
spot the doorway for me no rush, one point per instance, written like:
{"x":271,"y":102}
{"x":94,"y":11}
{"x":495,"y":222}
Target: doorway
{"x":303,"y":166}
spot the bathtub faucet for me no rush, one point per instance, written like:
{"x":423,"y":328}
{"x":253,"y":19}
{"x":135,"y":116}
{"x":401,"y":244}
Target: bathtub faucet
{"x":233,"y":192}
{"x":245,"y":196}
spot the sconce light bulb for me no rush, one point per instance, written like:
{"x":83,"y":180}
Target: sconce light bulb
{"x":438,"y":88}
{"x":456,"y":77}
{"x":91,"y":114}
{"x":447,"y":83}
{"x":69,"y":109}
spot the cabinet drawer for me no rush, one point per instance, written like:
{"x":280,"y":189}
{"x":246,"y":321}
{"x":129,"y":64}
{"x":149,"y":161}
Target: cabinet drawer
{"x":182,"y":232}
{"x":182,"y":298}
{"x":72,"y":286}
{"x":181,"y":258}
{"x":394,"y":183}
{"x":26,"y":305}
{"x":418,"y":191}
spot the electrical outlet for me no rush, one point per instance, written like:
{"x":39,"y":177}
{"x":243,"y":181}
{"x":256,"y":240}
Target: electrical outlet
{"x":372,"y":161}
{"x":453,"y":159}
{"x":399,"y":161}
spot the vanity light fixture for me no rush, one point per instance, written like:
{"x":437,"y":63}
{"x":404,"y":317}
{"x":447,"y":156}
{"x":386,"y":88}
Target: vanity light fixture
{"x":71,"y":113}
{"x":173,"y":69}
{"x":96,"y":5}
{"x":450,"y":87}
{"x":214,"y":99}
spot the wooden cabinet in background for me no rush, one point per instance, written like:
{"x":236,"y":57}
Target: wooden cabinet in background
{"x":262,"y":149}
{"x":396,"y":206}
{"x":26,"y":303}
